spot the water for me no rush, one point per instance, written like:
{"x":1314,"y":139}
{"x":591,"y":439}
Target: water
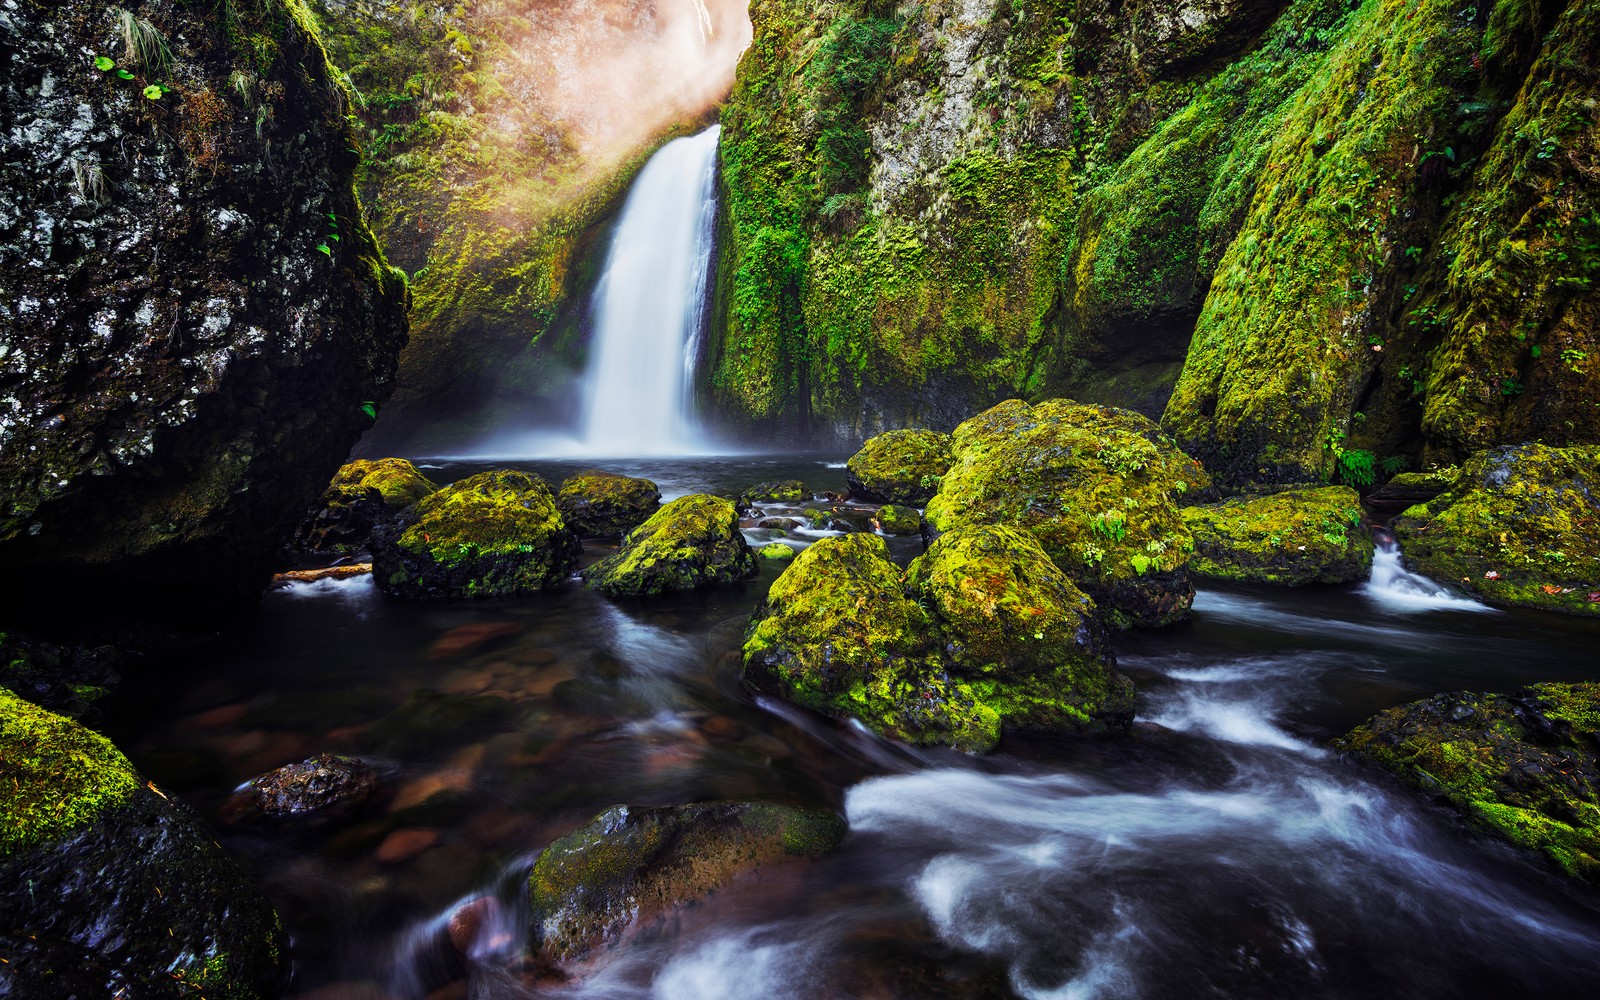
{"x":1217,"y":850}
{"x":1399,"y":589}
{"x":649,"y":308}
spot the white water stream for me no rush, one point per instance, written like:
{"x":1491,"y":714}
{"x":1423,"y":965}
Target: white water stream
{"x":1399,"y":589}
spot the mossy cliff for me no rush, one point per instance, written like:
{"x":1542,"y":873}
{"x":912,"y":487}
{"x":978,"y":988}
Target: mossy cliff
{"x":1296,"y":205}
{"x":195,"y":322}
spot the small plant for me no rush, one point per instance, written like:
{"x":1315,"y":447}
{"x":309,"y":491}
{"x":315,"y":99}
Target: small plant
{"x":1141,"y":563}
{"x":1510,"y":387}
{"x":370,"y":408}
{"x":928,"y":482}
{"x":1093,"y":555}
{"x":143,"y":45}
{"x":1155,"y":546}
{"x":1355,"y":467}
{"x":1572,"y":359}
{"x":1395,"y":464}
{"x":332,"y":235}
{"x":1127,"y":456}
{"x":91,"y":182}
{"x":1110,"y":524}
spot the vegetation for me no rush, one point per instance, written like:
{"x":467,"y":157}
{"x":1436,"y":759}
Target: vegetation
{"x":692,"y":542}
{"x":1290,"y":538}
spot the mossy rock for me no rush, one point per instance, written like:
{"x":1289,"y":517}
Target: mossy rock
{"x":362,"y":495}
{"x":632,"y":867}
{"x":897,"y":520}
{"x":490,"y":535}
{"x":1291,"y":538}
{"x":899,"y":467}
{"x":775,"y":491}
{"x":70,"y":680}
{"x":692,"y":542}
{"x":1018,"y":629}
{"x":1521,"y":766}
{"x":776,"y":551}
{"x":1408,"y":489}
{"x":605,"y":505}
{"x":84,"y":843}
{"x":1096,"y":485}
{"x":1520,"y":527}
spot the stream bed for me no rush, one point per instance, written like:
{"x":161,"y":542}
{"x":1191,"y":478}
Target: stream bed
{"x":1217,"y":850}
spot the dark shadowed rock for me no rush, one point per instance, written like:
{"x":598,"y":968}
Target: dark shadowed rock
{"x":317,"y":784}
{"x":605,"y":505}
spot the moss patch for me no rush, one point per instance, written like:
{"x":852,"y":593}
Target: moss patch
{"x":899,"y":467}
{"x":690,"y":543}
{"x":1291,"y":538}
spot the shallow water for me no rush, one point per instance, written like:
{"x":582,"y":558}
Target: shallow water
{"x":1218,"y":850}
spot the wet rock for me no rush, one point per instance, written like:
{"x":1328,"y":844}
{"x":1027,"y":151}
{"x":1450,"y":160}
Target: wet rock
{"x":776,"y":491}
{"x":491,"y":535}
{"x":1096,"y":485}
{"x":1408,"y":489}
{"x":319,"y":784}
{"x":364,"y":493}
{"x":1523,"y":767}
{"x":778,"y":523}
{"x":69,"y":679}
{"x":897,"y":520}
{"x":345,"y":572}
{"x":776,"y":551}
{"x":1291,"y":538}
{"x":899,"y":467}
{"x":631,"y":867}
{"x":605,"y":505}
{"x":403,"y":845}
{"x":690,"y":543}
{"x":1517,"y":529}
{"x":850,"y":519}
{"x":112,"y":887}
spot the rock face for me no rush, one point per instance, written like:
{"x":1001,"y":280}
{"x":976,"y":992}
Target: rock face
{"x":631,"y":867}
{"x":1291,"y":538}
{"x":605,"y":505}
{"x":899,"y":467}
{"x":983,"y":634}
{"x":1097,"y":486}
{"x":1522,"y":766}
{"x":364,"y":494}
{"x":317,"y":784}
{"x":490,"y":535}
{"x":85,"y":843}
{"x":692,"y":542}
{"x":1519,"y":527}
{"x":195,"y":322}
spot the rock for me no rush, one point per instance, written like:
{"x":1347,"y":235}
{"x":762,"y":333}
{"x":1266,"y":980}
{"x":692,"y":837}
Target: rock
{"x":68,"y":679}
{"x":1518,"y":528}
{"x":112,"y":887}
{"x":491,"y":535}
{"x":778,"y":523}
{"x":776,"y":551}
{"x":604,"y":505}
{"x":1522,"y":767}
{"x":778,"y":490}
{"x":403,"y":845}
{"x":465,"y":638}
{"x":319,"y":784}
{"x":632,"y":867}
{"x":344,"y":572}
{"x":1291,"y":538}
{"x":690,"y":543}
{"x":895,"y":520}
{"x":1097,"y":486}
{"x":899,"y":467}
{"x":184,"y":364}
{"x":363,"y":494}
{"x":1409,"y":489}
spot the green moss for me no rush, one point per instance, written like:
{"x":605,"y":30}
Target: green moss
{"x":1519,"y":527}
{"x":776,"y":551}
{"x":55,"y":775}
{"x":605,"y":504}
{"x":690,"y":543}
{"x":1291,"y":538}
{"x":395,"y":479}
{"x":779,"y":491}
{"x":896,"y":520}
{"x":900,"y":467}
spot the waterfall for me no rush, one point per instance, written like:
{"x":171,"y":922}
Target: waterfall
{"x":649,"y":307}
{"x":1399,"y":589}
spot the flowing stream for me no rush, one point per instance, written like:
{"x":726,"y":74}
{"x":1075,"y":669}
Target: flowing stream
{"x":1220,"y":849}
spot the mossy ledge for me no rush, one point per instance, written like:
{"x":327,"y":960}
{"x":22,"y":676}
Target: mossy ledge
{"x":1291,"y":538}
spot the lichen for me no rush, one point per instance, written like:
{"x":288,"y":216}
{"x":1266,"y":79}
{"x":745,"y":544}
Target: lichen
{"x":690,"y":543}
{"x":1291,"y":538}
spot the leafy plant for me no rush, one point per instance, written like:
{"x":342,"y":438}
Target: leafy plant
{"x":370,"y":408}
{"x":1093,"y":555}
{"x":1141,"y":563}
{"x":1573,"y":358}
{"x":1110,"y":524}
{"x":332,"y":236}
{"x":1356,"y":467}
{"x":1395,"y":464}
{"x":1510,"y":387}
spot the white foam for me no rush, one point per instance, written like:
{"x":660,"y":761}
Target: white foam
{"x":1396,"y":588}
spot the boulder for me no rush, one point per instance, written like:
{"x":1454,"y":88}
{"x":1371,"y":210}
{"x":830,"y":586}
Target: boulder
{"x":776,"y":551}
{"x":605,"y":505}
{"x":899,"y":467}
{"x":364,"y":493}
{"x":632,"y":867}
{"x":1096,"y":485}
{"x":776,"y":490}
{"x":490,"y":535}
{"x":1291,"y":538}
{"x":1407,"y":489}
{"x":1521,"y":767}
{"x":1520,"y":527}
{"x":690,"y":543}
{"x":197,"y":323}
{"x":318,"y":784}
{"x":896,"y":520}
{"x":112,"y":887}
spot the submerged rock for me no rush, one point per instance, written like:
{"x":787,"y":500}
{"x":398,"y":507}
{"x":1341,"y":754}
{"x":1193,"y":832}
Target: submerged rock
{"x":112,"y":888}
{"x":690,"y":543}
{"x":1519,"y":527}
{"x":1097,"y":486}
{"x":364,"y":493}
{"x":1291,"y":538}
{"x":490,"y":535}
{"x":1521,"y":766}
{"x":631,"y":867}
{"x":430,"y":721}
{"x":899,"y":467}
{"x":604,"y":504}
{"x":896,"y":520}
{"x":317,"y":784}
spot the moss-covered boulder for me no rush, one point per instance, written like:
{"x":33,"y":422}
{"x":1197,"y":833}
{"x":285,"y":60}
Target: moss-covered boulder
{"x":894,"y":519}
{"x":692,"y":542}
{"x":984,"y":634}
{"x":775,"y":491}
{"x":1519,"y":527}
{"x":1096,"y":485}
{"x":605,"y":505}
{"x":632,"y":867}
{"x":363,"y":494}
{"x":490,"y":535}
{"x":1522,"y":766}
{"x":899,"y":467}
{"x":776,"y":551}
{"x":1291,"y":538}
{"x":112,"y":887}
{"x":1407,"y":489}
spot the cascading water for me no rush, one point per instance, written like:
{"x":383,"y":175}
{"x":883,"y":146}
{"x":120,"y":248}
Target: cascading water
{"x":649,"y":307}
{"x":1399,"y":589}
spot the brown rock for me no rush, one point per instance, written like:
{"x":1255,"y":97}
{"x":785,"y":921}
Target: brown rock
{"x":402,"y":845}
{"x":465,"y":638}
